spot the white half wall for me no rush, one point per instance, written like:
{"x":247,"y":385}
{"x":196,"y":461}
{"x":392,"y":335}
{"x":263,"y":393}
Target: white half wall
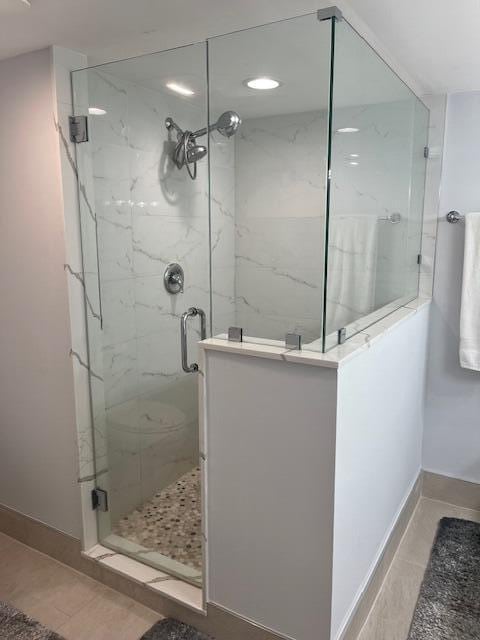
{"x":38,"y":460}
{"x":378,"y":454}
{"x":270,"y":467}
{"x":452,"y":425}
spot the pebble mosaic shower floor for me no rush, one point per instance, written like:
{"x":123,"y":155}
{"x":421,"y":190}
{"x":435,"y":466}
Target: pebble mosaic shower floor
{"x":170,"y":522}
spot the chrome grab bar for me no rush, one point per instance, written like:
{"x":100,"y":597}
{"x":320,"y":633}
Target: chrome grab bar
{"x":192,"y":312}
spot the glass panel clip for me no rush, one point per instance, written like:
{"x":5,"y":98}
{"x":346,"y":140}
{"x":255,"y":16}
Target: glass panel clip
{"x":293,"y":341}
{"x":235,"y":334}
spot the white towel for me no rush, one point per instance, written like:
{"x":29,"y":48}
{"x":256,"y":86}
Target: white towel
{"x":352,"y":259}
{"x":470,"y":308}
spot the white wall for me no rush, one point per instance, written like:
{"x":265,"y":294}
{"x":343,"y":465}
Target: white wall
{"x":38,"y":460}
{"x":378,"y":454}
{"x":452,"y":424}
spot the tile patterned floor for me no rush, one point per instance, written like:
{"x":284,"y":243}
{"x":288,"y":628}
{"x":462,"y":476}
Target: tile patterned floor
{"x":393,"y":609}
{"x":73,"y":605}
{"x":170,"y":522}
{"x":79,"y":608}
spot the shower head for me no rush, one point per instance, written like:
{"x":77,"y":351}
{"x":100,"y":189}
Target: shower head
{"x":228,"y":123}
{"x":186,"y":152}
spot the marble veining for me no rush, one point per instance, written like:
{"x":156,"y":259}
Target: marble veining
{"x":279,"y":224}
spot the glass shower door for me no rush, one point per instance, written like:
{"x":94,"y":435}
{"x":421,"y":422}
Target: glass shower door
{"x":145,"y":235}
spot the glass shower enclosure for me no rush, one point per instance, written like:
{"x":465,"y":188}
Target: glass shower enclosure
{"x":207,"y":203}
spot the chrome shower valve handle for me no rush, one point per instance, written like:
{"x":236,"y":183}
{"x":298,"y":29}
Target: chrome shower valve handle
{"x":174,"y":278}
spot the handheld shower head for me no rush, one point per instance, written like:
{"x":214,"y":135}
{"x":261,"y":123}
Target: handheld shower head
{"x":196,"y":153}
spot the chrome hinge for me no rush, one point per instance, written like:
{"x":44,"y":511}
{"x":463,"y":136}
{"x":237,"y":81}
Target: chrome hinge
{"x":426,"y":152}
{"x":99,"y":499}
{"x":419,"y":258}
{"x":342,"y":335}
{"x":78,"y":126}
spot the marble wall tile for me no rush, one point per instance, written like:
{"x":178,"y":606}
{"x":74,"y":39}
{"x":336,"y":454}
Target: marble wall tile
{"x":120,"y":372}
{"x":280,"y":175}
{"x":158,"y":363}
{"x":155,"y":310}
{"x":279,"y":200}
{"x":380,"y":183}
{"x":223,"y":224}
{"x":157,"y":241}
{"x":280,"y":166}
{"x":144,"y":213}
{"x":115,"y":245}
{"x":118,"y":311}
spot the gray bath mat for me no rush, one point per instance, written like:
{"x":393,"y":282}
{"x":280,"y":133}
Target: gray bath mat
{"x":170,"y":629}
{"x":448,"y":607}
{"x":15,"y":625}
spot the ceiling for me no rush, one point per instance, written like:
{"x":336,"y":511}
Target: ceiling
{"x":434,"y":44}
{"x":302,"y":67}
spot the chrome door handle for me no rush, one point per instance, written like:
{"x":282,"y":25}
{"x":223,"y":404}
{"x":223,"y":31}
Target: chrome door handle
{"x":192,"y":312}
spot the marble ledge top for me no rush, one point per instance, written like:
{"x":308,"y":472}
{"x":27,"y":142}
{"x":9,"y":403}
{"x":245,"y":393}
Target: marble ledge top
{"x":334,"y":358}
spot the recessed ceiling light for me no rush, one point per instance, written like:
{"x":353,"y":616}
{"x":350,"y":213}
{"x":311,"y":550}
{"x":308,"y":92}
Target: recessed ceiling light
{"x":262,"y":83}
{"x":354,"y":155}
{"x":354,"y":164}
{"x":348,"y":130}
{"x":179,"y":88}
{"x":96,"y":111}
